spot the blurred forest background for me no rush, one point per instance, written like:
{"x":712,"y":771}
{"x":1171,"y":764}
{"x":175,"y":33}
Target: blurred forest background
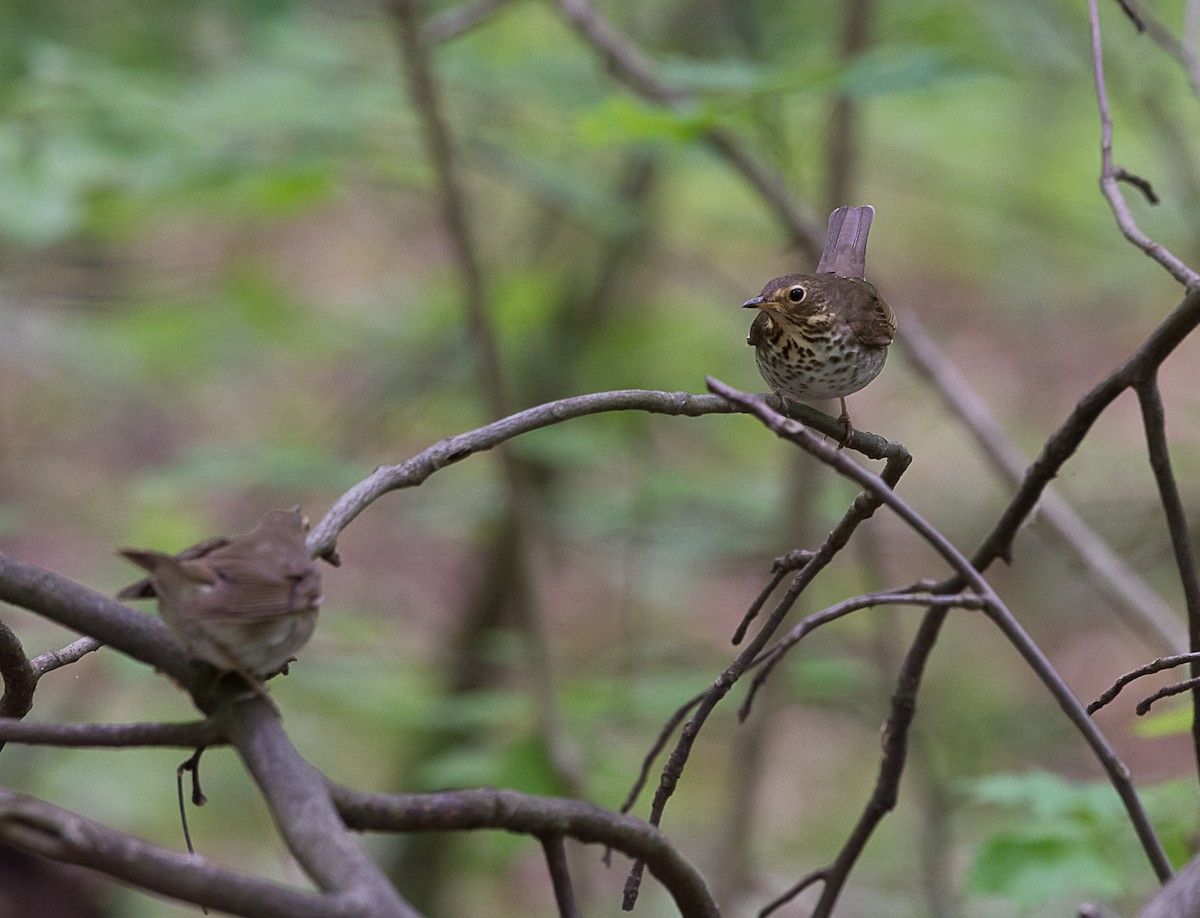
{"x":226,"y":285}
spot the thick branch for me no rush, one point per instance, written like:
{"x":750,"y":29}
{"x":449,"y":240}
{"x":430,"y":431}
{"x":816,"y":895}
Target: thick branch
{"x":53,"y":596}
{"x":112,"y":736}
{"x":302,"y":808}
{"x":486,"y":808}
{"x":37,"y":827}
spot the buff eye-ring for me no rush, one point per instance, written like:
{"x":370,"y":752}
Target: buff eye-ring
{"x":797,"y":294}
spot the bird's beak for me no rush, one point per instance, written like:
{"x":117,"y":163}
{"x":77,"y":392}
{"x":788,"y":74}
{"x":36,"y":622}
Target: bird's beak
{"x":757,"y":303}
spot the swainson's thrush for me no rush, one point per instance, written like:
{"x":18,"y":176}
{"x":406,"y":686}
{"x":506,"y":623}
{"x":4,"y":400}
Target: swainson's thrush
{"x":244,"y":604}
{"x":824,"y":335}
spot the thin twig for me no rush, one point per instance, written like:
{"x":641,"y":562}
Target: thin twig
{"x":810,"y":623}
{"x":51,"y":660}
{"x":1110,"y":174}
{"x":1177,"y":688}
{"x":1156,"y":666}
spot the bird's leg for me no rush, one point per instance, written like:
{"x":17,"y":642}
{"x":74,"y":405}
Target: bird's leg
{"x":844,"y":418}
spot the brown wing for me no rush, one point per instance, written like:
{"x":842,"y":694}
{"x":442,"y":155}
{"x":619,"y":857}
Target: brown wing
{"x":144,"y":589}
{"x":870,"y":318}
{"x":760,"y":330}
{"x":245,"y":591}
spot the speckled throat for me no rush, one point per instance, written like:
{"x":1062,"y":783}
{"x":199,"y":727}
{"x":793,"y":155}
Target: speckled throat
{"x":820,"y":336}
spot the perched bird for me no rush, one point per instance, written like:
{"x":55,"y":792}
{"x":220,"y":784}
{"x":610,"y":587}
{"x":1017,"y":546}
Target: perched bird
{"x":244,"y":604}
{"x":824,"y":335}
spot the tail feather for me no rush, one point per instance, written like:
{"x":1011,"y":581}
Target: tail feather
{"x":846,"y":244}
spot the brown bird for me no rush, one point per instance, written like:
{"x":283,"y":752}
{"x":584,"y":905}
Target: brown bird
{"x":244,"y":604}
{"x":824,"y":335}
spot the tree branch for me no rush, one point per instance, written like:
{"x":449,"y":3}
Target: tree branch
{"x":41,"y":828}
{"x":322,"y":541}
{"x":994,"y":607}
{"x":301,"y":805}
{"x":486,"y":808}
{"x":1111,"y":175}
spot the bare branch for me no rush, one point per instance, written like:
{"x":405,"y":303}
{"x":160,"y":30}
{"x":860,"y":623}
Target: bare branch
{"x":17,"y":675}
{"x":72,"y":653}
{"x":53,"y":596}
{"x":486,"y":808}
{"x":40,"y":828}
{"x":1062,"y":443}
{"x":1177,"y":688}
{"x":811,"y":623}
{"x":994,"y":607}
{"x":1110,"y":175}
{"x":560,"y":875}
{"x":1145,"y":612}
{"x":1156,"y":666}
{"x":303,"y":809}
{"x":1155,"y":423}
{"x":322,"y":541}
{"x":112,"y":736}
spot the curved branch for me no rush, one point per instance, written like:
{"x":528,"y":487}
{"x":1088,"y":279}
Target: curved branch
{"x":770,"y":658}
{"x":322,"y":541}
{"x":17,"y":675}
{"x":1111,"y":175}
{"x":1155,"y":666}
{"x":485,"y":808}
{"x":59,"y":599}
{"x":41,"y":828}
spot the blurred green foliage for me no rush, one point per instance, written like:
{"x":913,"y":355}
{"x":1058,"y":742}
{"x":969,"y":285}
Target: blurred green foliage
{"x":225,"y":285}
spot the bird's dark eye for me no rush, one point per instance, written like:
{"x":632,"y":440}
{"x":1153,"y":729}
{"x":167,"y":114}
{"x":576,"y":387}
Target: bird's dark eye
{"x":796,"y":294}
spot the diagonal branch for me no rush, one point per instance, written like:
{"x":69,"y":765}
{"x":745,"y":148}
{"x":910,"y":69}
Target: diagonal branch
{"x":995,"y":608}
{"x":1145,"y":612}
{"x":1155,"y":422}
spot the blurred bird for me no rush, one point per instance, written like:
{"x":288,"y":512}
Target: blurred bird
{"x":245,"y":604}
{"x":824,"y":335}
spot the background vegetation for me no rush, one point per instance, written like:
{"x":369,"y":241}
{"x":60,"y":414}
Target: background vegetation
{"x":226,"y":285}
